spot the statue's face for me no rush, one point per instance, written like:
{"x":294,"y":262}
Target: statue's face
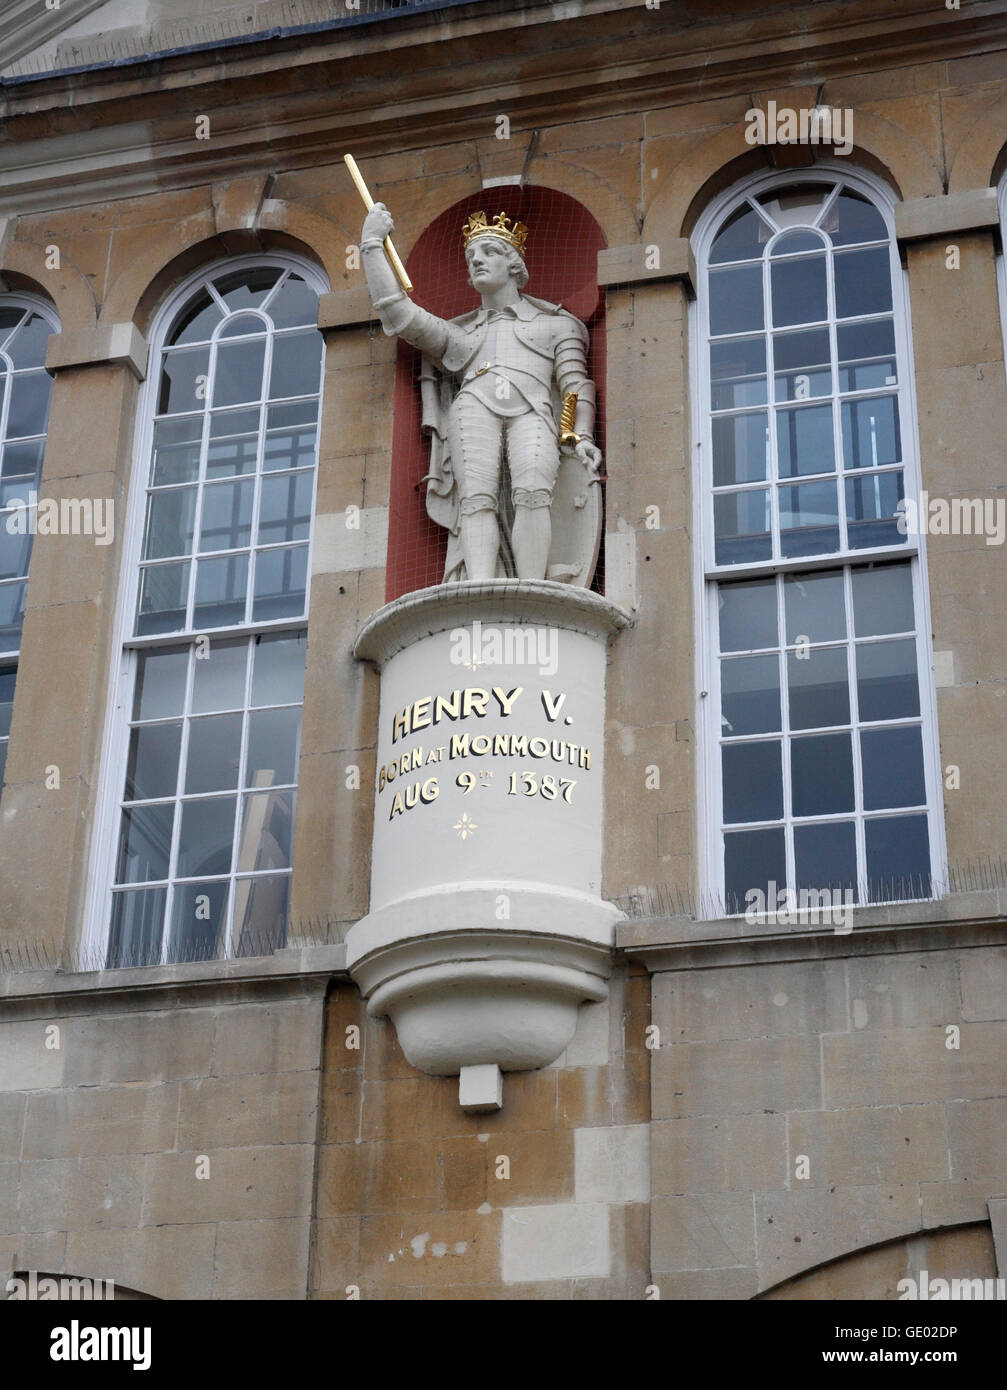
{"x":488,"y":265}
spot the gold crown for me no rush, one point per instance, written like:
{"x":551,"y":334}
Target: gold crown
{"x":515,"y":235}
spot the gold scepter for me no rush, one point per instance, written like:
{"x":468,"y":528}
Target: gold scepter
{"x":392,"y":254}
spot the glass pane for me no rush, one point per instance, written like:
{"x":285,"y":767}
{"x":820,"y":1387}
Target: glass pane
{"x":267,"y":822}
{"x":825,"y":856}
{"x":22,"y":471}
{"x":137,"y":922}
{"x":152,"y":769}
{"x":144,"y":844}
{"x":285,"y":508}
{"x":805,"y":442}
{"x":242,"y":326}
{"x":260,"y":919}
{"x":219,"y":677}
{"x":184,"y":375}
{"x":291,"y":414}
{"x":887,"y":687}
{"x":892,"y":768}
{"x":164,"y":593}
{"x":741,"y":526}
{"x":736,"y":300}
{"x":750,"y":695}
{"x":819,"y":688}
{"x":747,"y":615}
{"x":857,"y":220}
{"x":872,"y":513}
{"x":741,"y":238}
{"x":272,"y":747}
{"x":297,"y":364}
{"x":160,"y":683}
{"x":176,"y":451}
{"x":8,"y":679}
{"x":280,"y":579}
{"x":799,"y":291}
{"x":809,"y":519}
{"x":15,"y":544}
{"x":226,"y":522}
{"x":753,"y":859}
{"x":196,"y":322}
{"x":11,"y":616}
{"x":883,"y":600}
{"x":294,"y":303}
{"x":866,"y":355}
{"x":239,"y":372}
{"x":28,"y":346}
{"x":289,"y":449}
{"x":246,"y":289}
{"x":169,"y":523}
{"x":740,"y":448}
{"x":227,"y":457}
{"x":214,"y":752}
{"x":753,"y":781}
{"x":220,"y":591}
{"x":871,"y":436}
{"x":821,"y":774}
{"x":198,"y":920}
{"x":207,"y":836}
{"x":28,"y":412}
{"x":795,"y":242}
{"x":3,"y":759}
{"x":278,"y":671}
{"x":863,"y":282}
{"x":898,"y":858}
{"x":738,"y":373}
{"x":801,"y":365}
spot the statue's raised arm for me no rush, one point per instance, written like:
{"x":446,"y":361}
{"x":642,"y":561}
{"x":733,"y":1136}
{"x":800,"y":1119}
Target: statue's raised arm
{"x":506,"y":383}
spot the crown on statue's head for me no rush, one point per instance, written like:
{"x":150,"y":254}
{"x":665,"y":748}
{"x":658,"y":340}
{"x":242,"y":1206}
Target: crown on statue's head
{"x":515,"y":234}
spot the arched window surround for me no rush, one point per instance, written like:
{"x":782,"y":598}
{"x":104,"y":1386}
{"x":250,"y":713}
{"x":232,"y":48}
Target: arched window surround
{"x":127,"y":645}
{"x":707,"y":573}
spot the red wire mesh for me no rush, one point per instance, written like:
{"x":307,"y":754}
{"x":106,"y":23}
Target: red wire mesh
{"x":561,"y":257}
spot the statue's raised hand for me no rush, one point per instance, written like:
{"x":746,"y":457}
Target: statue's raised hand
{"x":377,"y":224}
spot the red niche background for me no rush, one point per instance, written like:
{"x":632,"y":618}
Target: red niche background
{"x":561,"y":256}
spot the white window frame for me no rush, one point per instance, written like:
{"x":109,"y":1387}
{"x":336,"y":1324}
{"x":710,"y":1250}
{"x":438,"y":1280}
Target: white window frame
{"x":121,"y":683}
{"x":707,"y":574}
{"x":1001,"y":261}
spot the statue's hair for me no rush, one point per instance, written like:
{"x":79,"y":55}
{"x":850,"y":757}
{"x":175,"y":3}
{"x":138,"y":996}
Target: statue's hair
{"x":515,"y":261}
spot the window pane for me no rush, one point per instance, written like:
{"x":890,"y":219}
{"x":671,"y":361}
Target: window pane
{"x":278,"y":670}
{"x":753,"y":781}
{"x":297,"y":361}
{"x":741,"y":526}
{"x":27,"y":347}
{"x":887,"y":687}
{"x":184,"y":375}
{"x":239,"y":372}
{"x":198,"y":920}
{"x":164,"y":591}
{"x":866,"y":355}
{"x":28,"y":412}
{"x":816,"y":609}
{"x":805,"y":441}
{"x":266,"y":831}
{"x":740,"y":448}
{"x":883,"y":600}
{"x":857,"y":220}
{"x":242,"y":326}
{"x":226,"y":522}
{"x":8,"y":679}
{"x":246,"y":289}
{"x":747,"y":615}
{"x":196,"y":322}
{"x":872,"y":517}
{"x":863,"y":282}
{"x":260,"y":918}
{"x":152,"y":769}
{"x":280,"y":579}
{"x":819,"y":688}
{"x":137,"y":921}
{"x":741,"y":238}
{"x":214,"y":752}
{"x":144,"y":844}
{"x":799,"y":291}
{"x":738,"y":373}
{"x":285,"y":508}
{"x":821,"y":774}
{"x":753,"y":859}
{"x":898,"y":858}
{"x":801,"y":365}
{"x":11,"y":616}
{"x":871,"y":436}
{"x":736,"y":300}
{"x":294,"y":303}
{"x":809,"y":519}
{"x":893,"y":768}
{"x":207,"y":836}
{"x":160,"y":683}
{"x":22,"y":471}
{"x":750,"y":695}
{"x":289,"y":449}
{"x":169,"y":523}
{"x":220,"y":591}
{"x":236,"y":454}
{"x":219,"y":677}
{"x":176,"y":451}
{"x":15,"y":544}
{"x":272,"y":747}
{"x":825,"y":856}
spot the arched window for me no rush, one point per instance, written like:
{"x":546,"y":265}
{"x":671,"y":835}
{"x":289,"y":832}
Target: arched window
{"x":197,"y":852}
{"x":817,"y":713}
{"x":25,"y":389}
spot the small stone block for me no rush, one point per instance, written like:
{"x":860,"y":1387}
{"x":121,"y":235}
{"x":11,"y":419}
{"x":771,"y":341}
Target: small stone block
{"x":480,"y":1088}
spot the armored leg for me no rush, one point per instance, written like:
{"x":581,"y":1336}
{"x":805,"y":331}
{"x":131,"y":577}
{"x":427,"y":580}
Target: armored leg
{"x":533,"y":456}
{"x":475,"y":436}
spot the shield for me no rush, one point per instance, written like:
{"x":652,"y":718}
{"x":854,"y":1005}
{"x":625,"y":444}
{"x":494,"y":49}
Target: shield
{"x":576,"y":522}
